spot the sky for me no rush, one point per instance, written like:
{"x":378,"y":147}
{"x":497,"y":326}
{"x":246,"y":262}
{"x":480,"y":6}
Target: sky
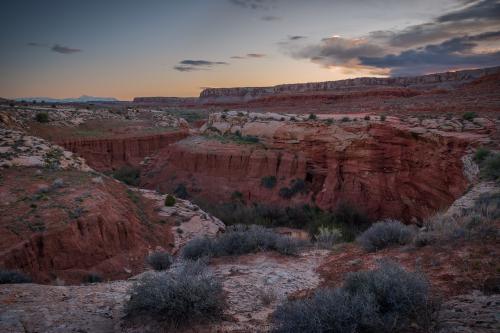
{"x":128,"y":48}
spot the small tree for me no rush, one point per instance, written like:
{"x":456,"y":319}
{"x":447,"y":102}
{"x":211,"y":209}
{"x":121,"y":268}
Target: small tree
{"x":469,"y":115}
{"x":312,"y":116}
{"x":169,"y":200}
{"x":42,"y":117}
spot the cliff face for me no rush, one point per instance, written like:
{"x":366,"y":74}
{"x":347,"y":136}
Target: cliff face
{"x":384,"y":169}
{"x":418,"y":83}
{"x":106,"y":154}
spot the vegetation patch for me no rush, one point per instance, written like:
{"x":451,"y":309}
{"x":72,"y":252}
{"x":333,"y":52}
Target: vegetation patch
{"x":129,"y":175}
{"x":268,"y":182}
{"x":469,"y":115}
{"x":42,"y":117}
{"x":384,"y":234}
{"x":388,"y":299}
{"x":159,"y":260}
{"x":188,"y":293}
{"x":169,"y":200}
{"x":296,"y":186}
{"x":8,"y":276}
{"x":241,"y":239}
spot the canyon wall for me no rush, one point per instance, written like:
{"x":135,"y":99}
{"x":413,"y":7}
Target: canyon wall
{"x":112,"y":153}
{"x":383,"y":169}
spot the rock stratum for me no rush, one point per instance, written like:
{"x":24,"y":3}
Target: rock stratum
{"x":390,"y":168}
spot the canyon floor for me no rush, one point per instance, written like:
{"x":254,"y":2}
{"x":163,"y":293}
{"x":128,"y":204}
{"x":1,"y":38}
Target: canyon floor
{"x":83,"y":194}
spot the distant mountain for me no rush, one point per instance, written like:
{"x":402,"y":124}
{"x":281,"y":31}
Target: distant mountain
{"x":81,"y":99}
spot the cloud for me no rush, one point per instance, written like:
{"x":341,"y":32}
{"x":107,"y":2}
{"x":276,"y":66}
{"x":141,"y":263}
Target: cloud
{"x":270,"y":18}
{"x":202,"y":62}
{"x":467,"y":37}
{"x":296,"y":37}
{"x":253,"y":4}
{"x":64,"y":49}
{"x":249,"y":56}
{"x":34,"y":44}
{"x":453,"y":53}
{"x":189,"y":65}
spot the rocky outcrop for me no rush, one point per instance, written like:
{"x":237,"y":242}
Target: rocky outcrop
{"x":387,"y":169}
{"x":107,"y":154}
{"x":425,"y":82}
{"x":166,"y":101}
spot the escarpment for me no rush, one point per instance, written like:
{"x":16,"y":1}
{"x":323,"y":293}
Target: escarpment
{"x":384,"y":169}
{"x":112,"y":153}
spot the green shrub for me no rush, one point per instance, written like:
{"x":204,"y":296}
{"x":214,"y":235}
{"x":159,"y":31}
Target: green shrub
{"x":329,"y":122}
{"x":8,"y":276}
{"x":388,"y":299}
{"x":169,"y":200}
{"x":469,"y":115}
{"x":127,"y":174}
{"x":327,"y":237}
{"x":188,"y":293}
{"x":241,"y":239}
{"x":481,"y":154}
{"x":42,"y":117}
{"x":345,"y":119}
{"x":490,"y":167}
{"x":312,"y":116}
{"x":385,"y":233}
{"x":268,"y":181}
{"x":159,"y":260}
{"x":92,"y":278}
{"x":296,"y":186}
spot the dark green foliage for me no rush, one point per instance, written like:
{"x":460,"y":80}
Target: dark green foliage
{"x":385,"y":233}
{"x":469,"y":115}
{"x":181,"y":191}
{"x":92,"y":278}
{"x":42,"y":117}
{"x":348,"y":220}
{"x":237,"y":196}
{"x":490,"y":167}
{"x":296,"y":186}
{"x":329,"y":121}
{"x":160,"y":260}
{"x":345,"y":119}
{"x":169,"y":200}
{"x":388,"y":299}
{"x":241,"y":239}
{"x":188,"y":293}
{"x":481,"y":154}
{"x":7,"y":276}
{"x":268,"y":181}
{"x":312,"y":116}
{"x":129,"y":175}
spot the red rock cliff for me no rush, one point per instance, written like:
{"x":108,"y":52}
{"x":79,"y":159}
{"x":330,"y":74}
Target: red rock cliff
{"x":385,"y":170}
{"x":106,"y":154}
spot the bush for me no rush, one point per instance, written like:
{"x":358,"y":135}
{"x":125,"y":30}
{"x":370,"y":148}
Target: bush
{"x":181,"y":191}
{"x":7,"y":276}
{"x":127,"y":174}
{"x":160,"y":260}
{"x":469,"y":115}
{"x":296,"y":186}
{"x":385,"y":233}
{"x":187,"y":294}
{"x":92,"y":278}
{"x":383,"y":117}
{"x":312,"y":116}
{"x":241,"y":239}
{"x":481,"y":154}
{"x":268,"y":181}
{"x":327,"y":237}
{"x":42,"y":117}
{"x":387,"y":299}
{"x":345,"y":119}
{"x":329,"y":122}
{"x":169,"y":200}
{"x":490,"y":167}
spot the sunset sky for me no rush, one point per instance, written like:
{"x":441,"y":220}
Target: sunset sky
{"x":125,"y":48}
